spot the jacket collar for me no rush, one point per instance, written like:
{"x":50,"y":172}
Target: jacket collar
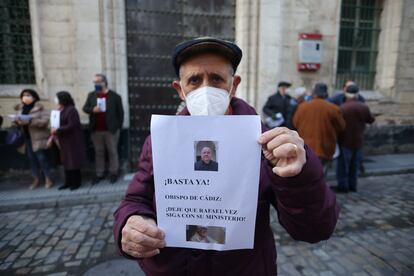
{"x":37,"y":107}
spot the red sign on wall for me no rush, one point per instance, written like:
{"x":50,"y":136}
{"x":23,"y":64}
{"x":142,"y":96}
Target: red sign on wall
{"x":310,"y":52}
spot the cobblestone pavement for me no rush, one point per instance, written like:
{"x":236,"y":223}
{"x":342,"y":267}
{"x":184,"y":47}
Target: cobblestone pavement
{"x":375,"y":236}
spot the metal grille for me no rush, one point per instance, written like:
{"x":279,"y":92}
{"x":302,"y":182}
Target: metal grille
{"x":154,"y":27}
{"x":16,"y":55}
{"x":358,"y":42}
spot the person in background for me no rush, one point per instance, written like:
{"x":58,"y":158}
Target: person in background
{"x":356,"y":115}
{"x":71,"y":141}
{"x":280,"y":107}
{"x":319,"y":123}
{"x":340,"y":98}
{"x":106,"y":116}
{"x":34,"y":121}
{"x":301,"y":95}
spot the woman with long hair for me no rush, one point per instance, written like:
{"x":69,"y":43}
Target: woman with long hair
{"x":33,"y":119}
{"x":71,"y":140}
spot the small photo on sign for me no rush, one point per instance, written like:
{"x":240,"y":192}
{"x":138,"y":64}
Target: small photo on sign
{"x":206,"y":234}
{"x":205,"y":154}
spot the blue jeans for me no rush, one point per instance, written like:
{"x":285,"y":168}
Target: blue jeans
{"x":347,"y":168}
{"x":38,"y":160}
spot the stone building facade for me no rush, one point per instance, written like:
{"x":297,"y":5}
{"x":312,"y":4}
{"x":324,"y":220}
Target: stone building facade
{"x":74,"y":39}
{"x":269,"y":30}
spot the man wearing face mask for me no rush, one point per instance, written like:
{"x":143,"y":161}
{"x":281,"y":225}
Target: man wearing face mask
{"x":106,"y":116}
{"x":291,"y":178}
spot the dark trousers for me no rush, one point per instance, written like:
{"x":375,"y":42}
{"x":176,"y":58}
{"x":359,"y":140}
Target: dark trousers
{"x":347,"y":168}
{"x":73,"y":178}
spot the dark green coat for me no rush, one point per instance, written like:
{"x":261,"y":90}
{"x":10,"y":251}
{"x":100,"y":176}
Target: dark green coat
{"x":114,"y":111}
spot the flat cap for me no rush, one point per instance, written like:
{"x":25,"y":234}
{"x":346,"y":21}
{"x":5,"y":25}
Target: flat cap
{"x":352,"y":89}
{"x":186,"y":49}
{"x":284,"y":84}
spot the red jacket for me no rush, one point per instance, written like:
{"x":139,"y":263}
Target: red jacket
{"x":306,"y":207}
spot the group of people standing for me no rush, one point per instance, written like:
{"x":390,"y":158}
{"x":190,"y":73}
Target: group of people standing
{"x":106,"y":114}
{"x":331,"y":126}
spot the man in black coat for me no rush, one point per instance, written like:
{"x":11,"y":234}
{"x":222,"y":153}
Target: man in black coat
{"x":280,"y":107}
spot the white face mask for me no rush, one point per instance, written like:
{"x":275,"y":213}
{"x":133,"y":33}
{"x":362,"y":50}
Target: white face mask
{"x":56,"y":101}
{"x":208,"y":100}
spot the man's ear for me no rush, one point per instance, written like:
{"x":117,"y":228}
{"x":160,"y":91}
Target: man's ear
{"x":177,"y":86}
{"x":236,"y":82}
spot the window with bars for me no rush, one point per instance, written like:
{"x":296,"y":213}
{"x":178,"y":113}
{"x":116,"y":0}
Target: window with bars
{"x":16,"y":54}
{"x":358,"y":42}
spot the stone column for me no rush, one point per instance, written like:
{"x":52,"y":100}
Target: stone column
{"x":388,"y":46}
{"x":258,"y":28}
{"x":247,"y":38}
{"x":113,"y":45}
{"x":404,"y":80}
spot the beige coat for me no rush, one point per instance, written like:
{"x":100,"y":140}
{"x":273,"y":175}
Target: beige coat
{"x":38,"y":126}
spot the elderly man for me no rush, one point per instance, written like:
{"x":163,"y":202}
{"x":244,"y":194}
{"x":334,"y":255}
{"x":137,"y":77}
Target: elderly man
{"x":206,"y":163}
{"x":291,"y":179}
{"x":280,"y":107}
{"x":340,"y":98}
{"x":356,"y":115}
{"x":319,"y":124}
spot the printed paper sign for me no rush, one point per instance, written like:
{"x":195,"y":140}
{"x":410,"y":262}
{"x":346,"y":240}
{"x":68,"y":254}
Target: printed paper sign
{"x":206,"y":173}
{"x":55,"y":119}
{"x":101,"y":103}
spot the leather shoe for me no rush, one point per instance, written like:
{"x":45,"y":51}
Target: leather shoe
{"x":75,"y":187}
{"x":64,"y":186}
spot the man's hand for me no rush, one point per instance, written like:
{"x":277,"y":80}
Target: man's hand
{"x":96,"y":109}
{"x":53,"y":131}
{"x":141,"y":237}
{"x":285,"y":150}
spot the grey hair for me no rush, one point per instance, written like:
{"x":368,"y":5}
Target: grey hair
{"x":350,"y":95}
